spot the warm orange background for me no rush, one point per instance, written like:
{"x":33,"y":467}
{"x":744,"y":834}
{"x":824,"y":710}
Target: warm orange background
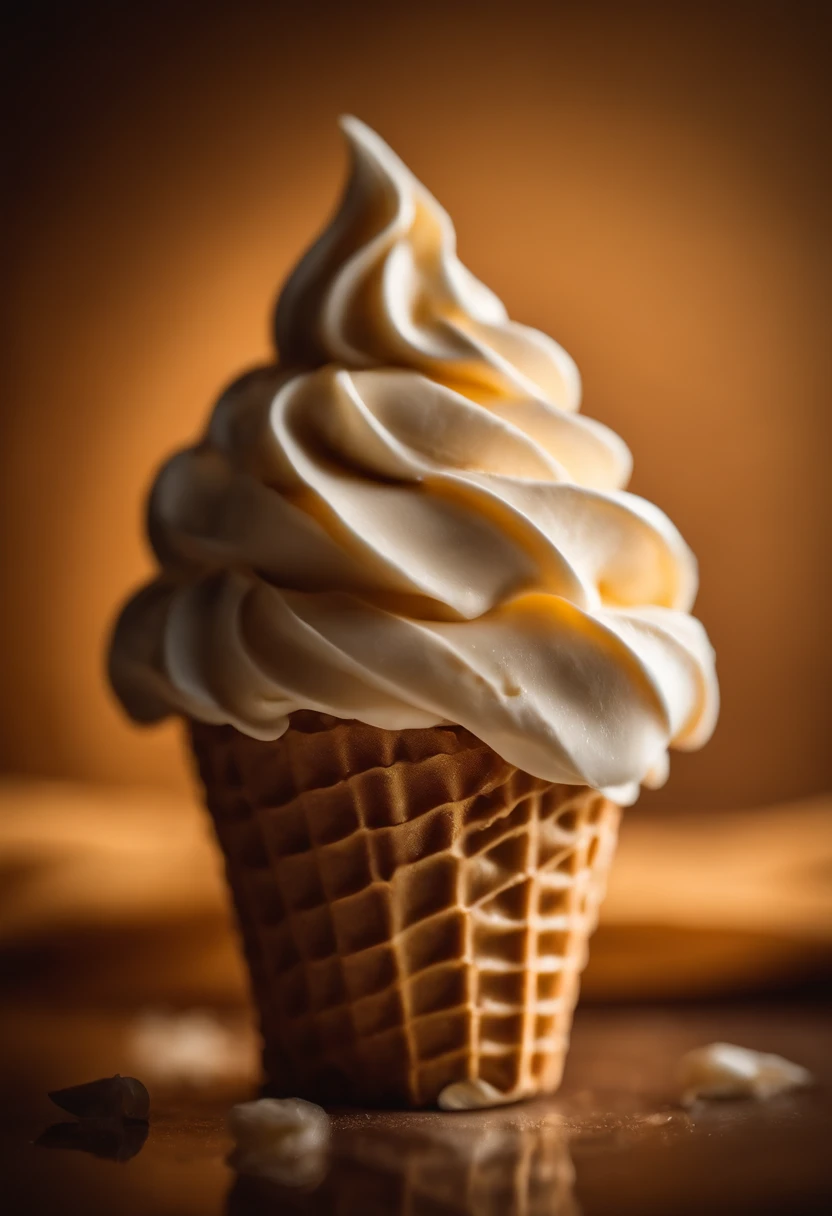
{"x":648,"y":183}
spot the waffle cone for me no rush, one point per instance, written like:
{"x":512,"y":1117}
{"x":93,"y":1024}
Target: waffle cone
{"x":414,"y":910}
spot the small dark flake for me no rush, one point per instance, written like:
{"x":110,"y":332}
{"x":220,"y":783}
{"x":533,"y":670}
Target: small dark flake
{"x":109,"y":1098}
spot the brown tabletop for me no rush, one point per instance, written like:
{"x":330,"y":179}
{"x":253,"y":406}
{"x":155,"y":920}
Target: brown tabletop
{"x":613,"y":1141}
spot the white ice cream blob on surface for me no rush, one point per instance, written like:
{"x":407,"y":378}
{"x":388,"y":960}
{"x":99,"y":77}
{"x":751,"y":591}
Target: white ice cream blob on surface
{"x":283,"y":1139}
{"x":723,"y":1070}
{"x":474,"y":1094}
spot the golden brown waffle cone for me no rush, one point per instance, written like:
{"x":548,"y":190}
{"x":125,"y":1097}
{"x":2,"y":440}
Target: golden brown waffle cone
{"x":414,"y":910}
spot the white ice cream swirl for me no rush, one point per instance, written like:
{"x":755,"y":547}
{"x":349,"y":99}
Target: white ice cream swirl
{"x":405,"y":521}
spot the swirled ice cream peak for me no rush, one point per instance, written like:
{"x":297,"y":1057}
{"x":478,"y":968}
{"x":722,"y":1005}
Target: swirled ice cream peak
{"x":383,"y":287}
{"x":405,"y":520}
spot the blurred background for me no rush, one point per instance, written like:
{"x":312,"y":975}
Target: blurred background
{"x":649,"y":183}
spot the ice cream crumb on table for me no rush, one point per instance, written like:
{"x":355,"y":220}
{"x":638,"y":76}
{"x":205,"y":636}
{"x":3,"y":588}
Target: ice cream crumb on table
{"x":723,"y":1070}
{"x":285,"y":1140}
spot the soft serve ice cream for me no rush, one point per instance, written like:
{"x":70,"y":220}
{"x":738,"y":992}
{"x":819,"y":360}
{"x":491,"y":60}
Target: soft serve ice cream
{"x":405,"y":521}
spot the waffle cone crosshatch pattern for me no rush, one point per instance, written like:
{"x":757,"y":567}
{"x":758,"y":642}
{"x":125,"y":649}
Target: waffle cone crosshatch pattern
{"x":414,"y":910}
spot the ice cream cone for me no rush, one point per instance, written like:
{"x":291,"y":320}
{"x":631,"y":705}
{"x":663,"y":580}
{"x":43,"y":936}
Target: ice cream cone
{"x":414,"y":910}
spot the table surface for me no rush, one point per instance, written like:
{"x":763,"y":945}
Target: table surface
{"x":614,"y":1140}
